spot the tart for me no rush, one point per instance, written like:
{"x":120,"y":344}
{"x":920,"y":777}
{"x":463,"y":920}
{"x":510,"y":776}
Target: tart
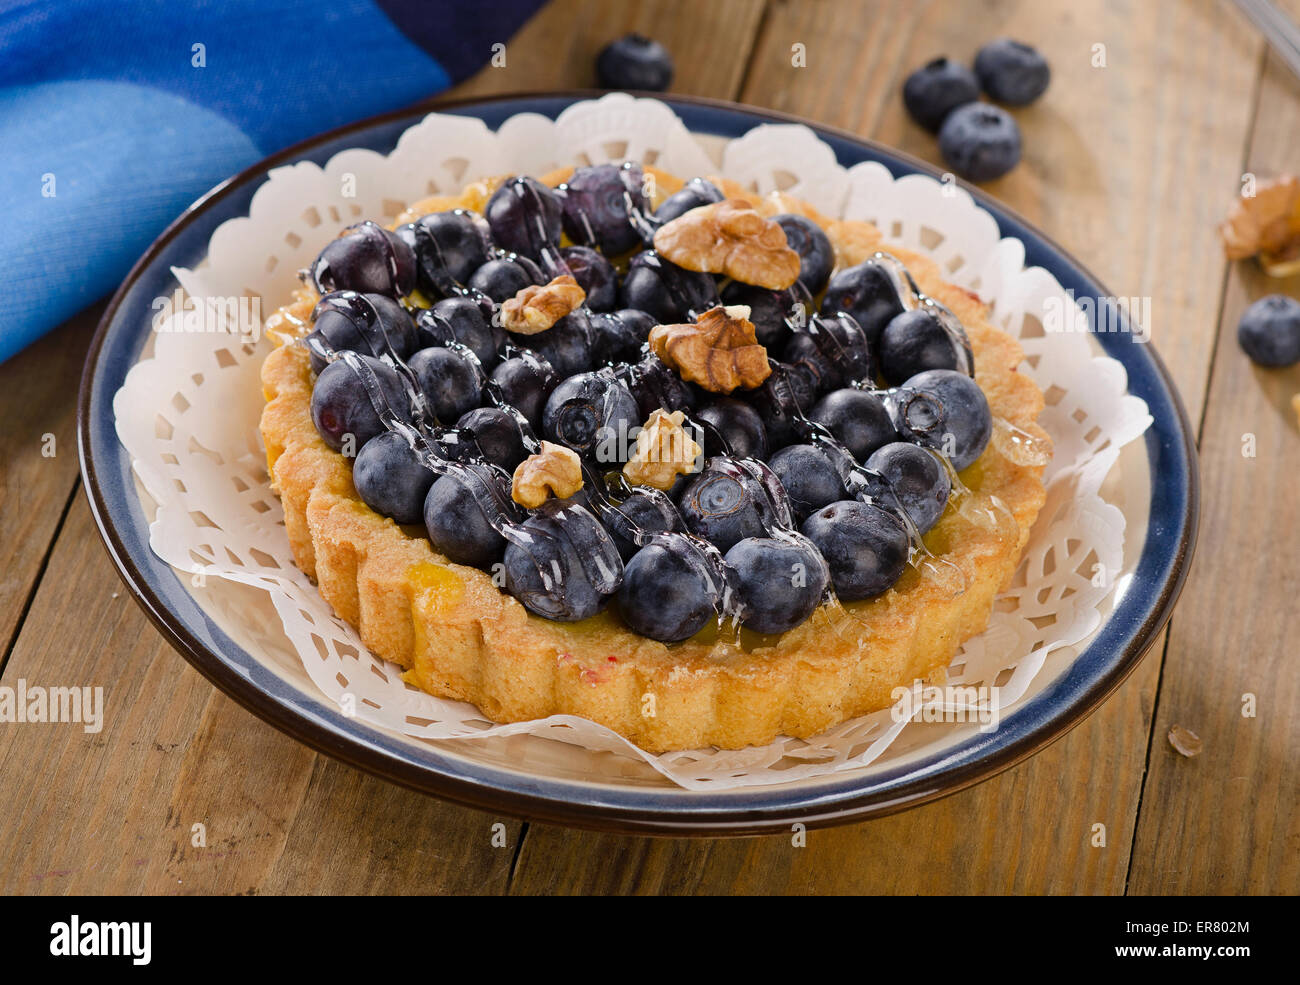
{"x":779,"y":440}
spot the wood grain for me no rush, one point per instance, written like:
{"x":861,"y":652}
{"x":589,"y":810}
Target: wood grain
{"x":1225,"y":822}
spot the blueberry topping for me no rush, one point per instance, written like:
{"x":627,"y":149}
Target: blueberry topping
{"x":651,"y":511}
{"x":635,"y":62}
{"x":461,"y":319}
{"x":667,"y":292}
{"x":914,"y":480}
{"x":693,"y":194}
{"x":547,"y":576}
{"x":525,"y":384}
{"x":780,"y":582}
{"x":916,"y":341}
{"x":859,"y":419}
{"x":616,"y":336}
{"x":719,"y":508}
{"x":809,"y":477}
{"x":596,"y":210}
{"x":740,"y":426}
{"x":1012,"y":72}
{"x":1269,"y":331}
{"x":368,"y":259}
{"x":566,"y":345}
{"x":936,"y":89}
{"x":867,"y":293}
{"x":448,"y":247}
{"x":771,"y":312}
{"x":947,"y":411}
{"x":816,"y":258}
{"x":665,"y":594}
{"x":341,"y":405}
{"x":830,"y":352}
{"x":458,"y":527}
{"x":593,"y":414}
{"x":865,"y":547}
{"x":594,"y":274}
{"x":369,"y":324}
{"x":496,"y":432}
{"x":449,"y":382}
{"x":504,"y":277}
{"x":655,"y":385}
{"x":524,"y":216}
{"x":778,"y":418}
{"x":391,"y":479}
{"x":980,"y":142}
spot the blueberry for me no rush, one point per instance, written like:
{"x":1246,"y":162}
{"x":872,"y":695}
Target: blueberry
{"x":936,"y":89}
{"x":547,"y":576}
{"x":916,"y":341}
{"x":391,"y":479}
{"x":666,"y":291}
{"x":651,"y":511}
{"x":780,"y":582}
{"x":369,"y":324}
{"x":915,"y":477}
{"x":816,"y":258}
{"x":635,"y":62}
{"x":566,"y":345}
{"x":831,"y":352}
{"x":771,"y":311}
{"x":449,"y":382}
{"x":367,"y":258}
{"x":693,"y":194}
{"x":615,"y":338}
{"x":497,"y":434}
{"x":1269,"y":331}
{"x":867,"y":293}
{"x":858,"y":418}
{"x":1012,"y":72}
{"x":656,"y":386}
{"x":594,"y":274}
{"x":665,"y":594}
{"x":461,"y":319}
{"x":458,"y":527}
{"x":524,"y":216}
{"x":524,"y":385}
{"x":740,"y":426}
{"x":720,"y":509}
{"x":448,"y":247}
{"x":947,"y":411}
{"x":341,"y":405}
{"x":809,"y":477}
{"x":865,"y":547}
{"x":980,"y":142}
{"x":596,"y":206}
{"x":504,"y":277}
{"x":777,"y":416}
{"x":592,"y":414}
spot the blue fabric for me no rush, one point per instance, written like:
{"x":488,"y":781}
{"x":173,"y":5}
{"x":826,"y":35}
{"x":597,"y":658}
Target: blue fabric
{"x":112,"y":121}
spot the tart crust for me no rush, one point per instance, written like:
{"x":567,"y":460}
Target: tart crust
{"x":456,"y":635}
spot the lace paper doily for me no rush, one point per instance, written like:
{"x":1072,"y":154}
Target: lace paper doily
{"x":188,"y":414}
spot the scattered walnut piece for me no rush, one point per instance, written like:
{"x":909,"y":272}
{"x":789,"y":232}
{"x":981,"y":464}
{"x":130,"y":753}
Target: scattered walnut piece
{"x":1187,"y":742}
{"x":719,"y":351}
{"x":663,"y":451}
{"x":1266,"y":224}
{"x":731,"y":238}
{"x":537,"y":307}
{"x":555,"y":470}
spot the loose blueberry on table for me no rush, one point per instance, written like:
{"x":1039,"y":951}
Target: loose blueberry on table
{"x":524,"y":383}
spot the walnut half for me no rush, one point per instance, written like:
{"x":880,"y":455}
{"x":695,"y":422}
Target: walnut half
{"x":555,"y":470}
{"x":1266,"y":224}
{"x":539,"y":306}
{"x":731,"y":238}
{"x":663,"y":451}
{"x":719,"y":351}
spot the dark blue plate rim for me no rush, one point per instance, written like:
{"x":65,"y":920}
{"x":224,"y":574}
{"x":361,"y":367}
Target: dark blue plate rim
{"x":1132,"y":627}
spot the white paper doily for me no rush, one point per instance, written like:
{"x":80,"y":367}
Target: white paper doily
{"x":188,"y":415}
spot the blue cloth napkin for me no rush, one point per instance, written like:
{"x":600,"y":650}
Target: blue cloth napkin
{"x":116,"y":114}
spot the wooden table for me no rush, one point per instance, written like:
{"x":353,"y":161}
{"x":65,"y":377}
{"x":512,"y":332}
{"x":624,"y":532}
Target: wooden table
{"x":1130,"y":164}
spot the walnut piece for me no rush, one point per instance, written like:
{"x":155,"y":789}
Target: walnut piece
{"x":1266,"y":224}
{"x":553,"y":471}
{"x":537,"y":307}
{"x":1295,"y":406}
{"x":663,"y":451}
{"x":731,"y":238}
{"x":719,"y":351}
